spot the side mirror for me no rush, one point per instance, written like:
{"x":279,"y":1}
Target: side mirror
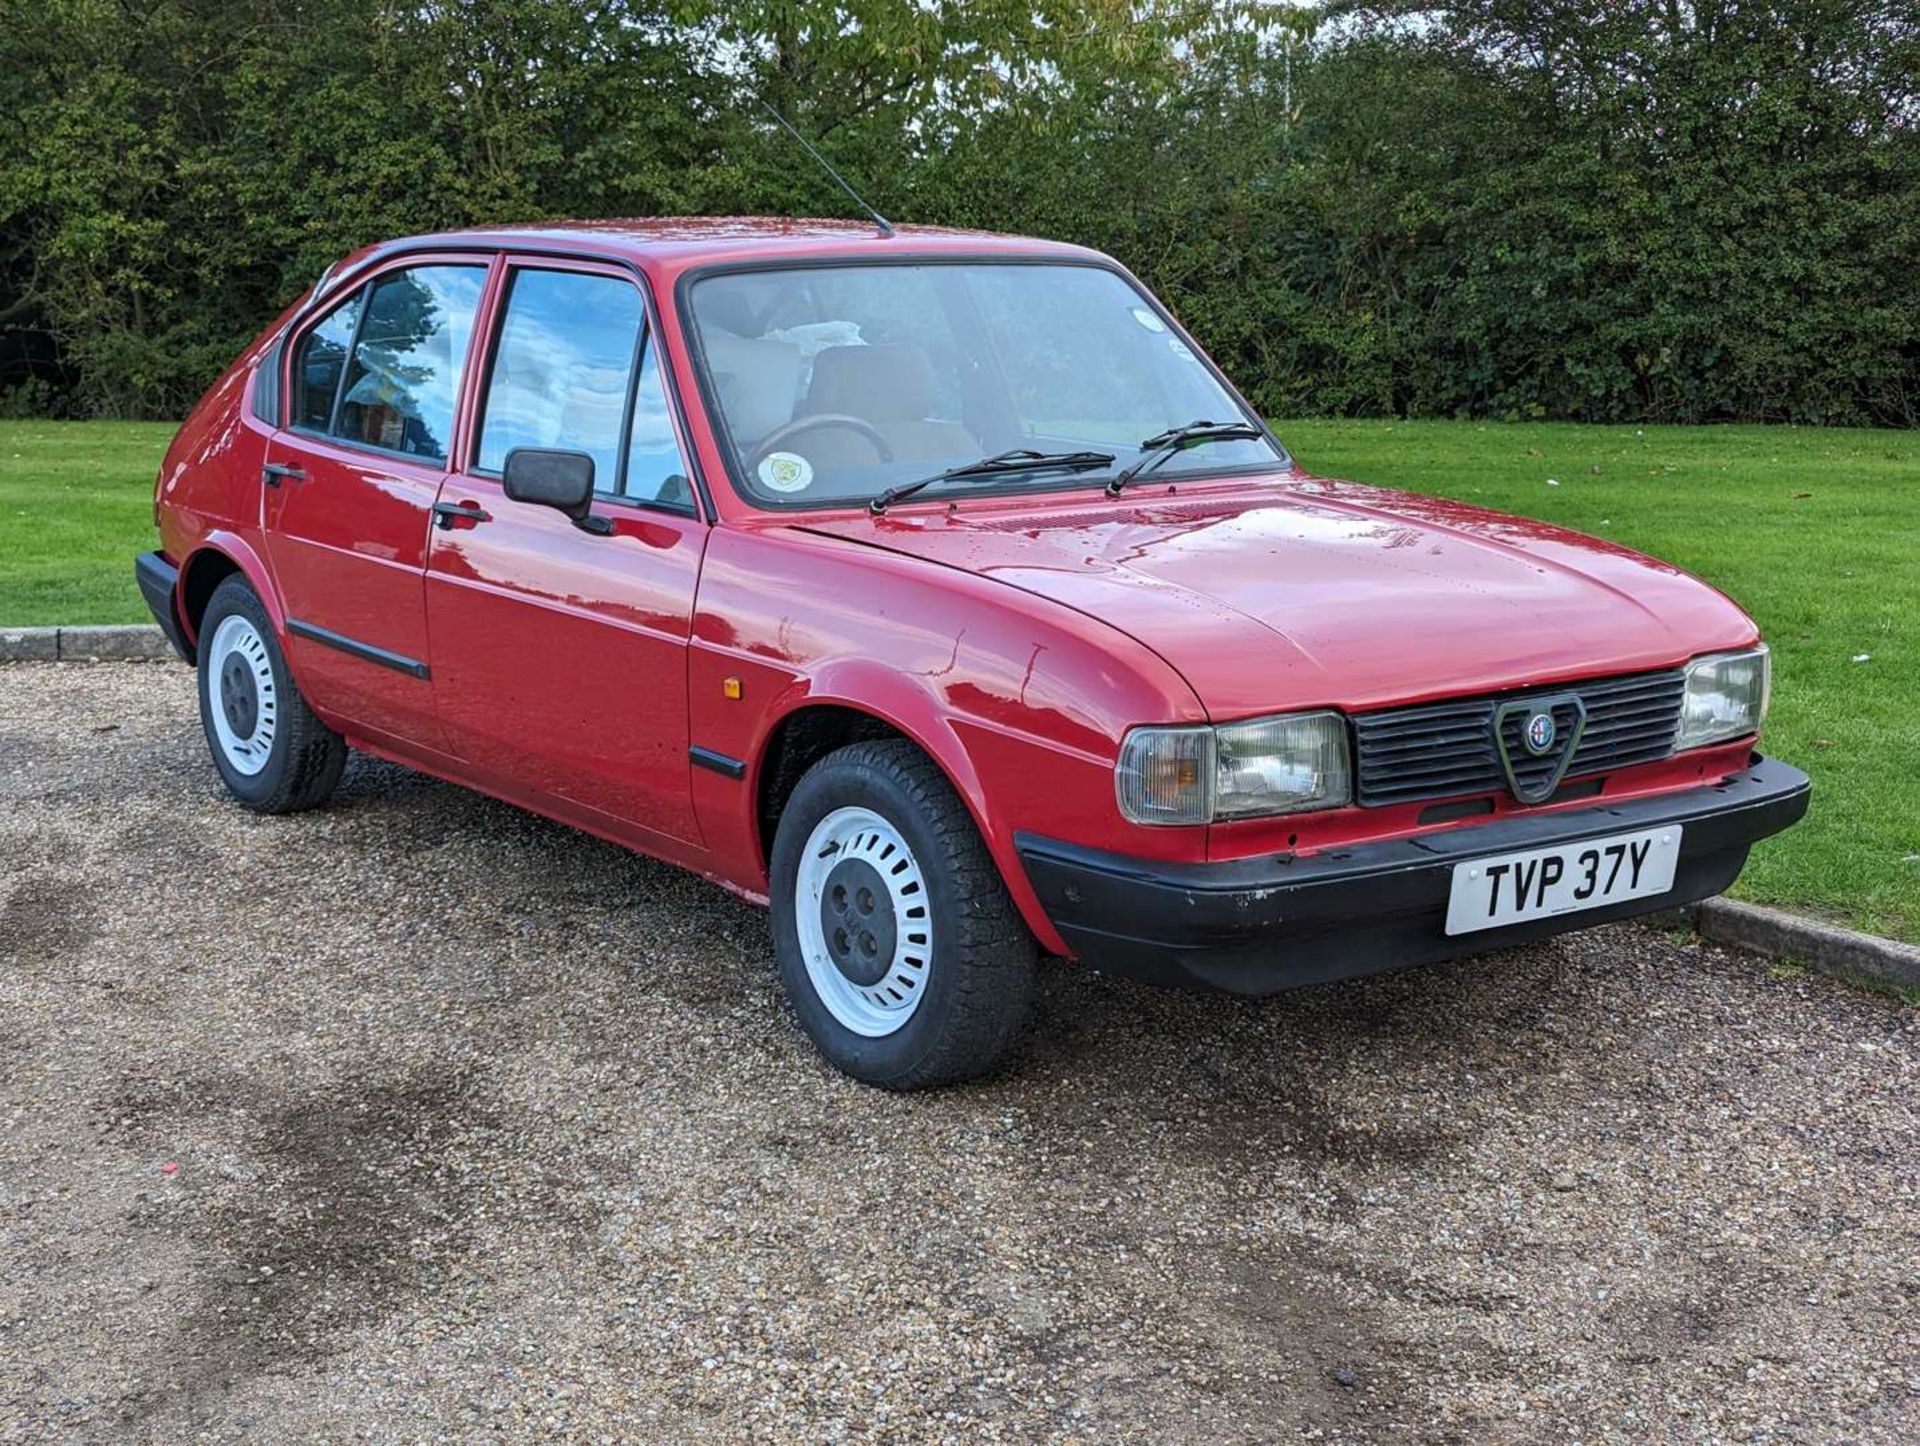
{"x":561,"y":480}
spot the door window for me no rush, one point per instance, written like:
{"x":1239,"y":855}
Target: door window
{"x":656,"y":472}
{"x":404,"y":374}
{"x":560,"y":369}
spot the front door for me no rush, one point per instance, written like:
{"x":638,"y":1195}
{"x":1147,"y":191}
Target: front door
{"x":373,"y":389}
{"x":560,"y":654}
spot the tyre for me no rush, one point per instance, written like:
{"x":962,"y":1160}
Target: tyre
{"x":273,"y":754}
{"x":902,"y":954}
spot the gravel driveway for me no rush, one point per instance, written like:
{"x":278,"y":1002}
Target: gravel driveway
{"x":421,"y":1117}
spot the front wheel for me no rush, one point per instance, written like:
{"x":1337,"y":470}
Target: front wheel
{"x":905,"y":959}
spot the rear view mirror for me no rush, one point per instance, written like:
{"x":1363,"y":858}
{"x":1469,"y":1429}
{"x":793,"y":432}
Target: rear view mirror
{"x":562,"y":480}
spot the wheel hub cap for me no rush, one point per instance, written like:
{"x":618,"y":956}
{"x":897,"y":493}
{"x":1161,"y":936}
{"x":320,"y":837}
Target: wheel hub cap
{"x":239,"y":699}
{"x":856,"y":920}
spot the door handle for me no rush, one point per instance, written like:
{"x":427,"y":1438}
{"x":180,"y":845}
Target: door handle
{"x":445,"y":514}
{"x":274,"y":471}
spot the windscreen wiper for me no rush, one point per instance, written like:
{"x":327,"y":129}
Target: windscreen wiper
{"x":1175,"y":440}
{"x":1022,"y":459}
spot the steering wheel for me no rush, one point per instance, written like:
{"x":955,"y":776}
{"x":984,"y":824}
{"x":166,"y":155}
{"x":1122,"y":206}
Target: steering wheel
{"x":799,"y":426}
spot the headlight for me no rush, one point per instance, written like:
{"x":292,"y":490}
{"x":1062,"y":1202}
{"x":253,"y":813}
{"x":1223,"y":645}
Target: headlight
{"x":1726,"y":697}
{"x":1243,"y":770}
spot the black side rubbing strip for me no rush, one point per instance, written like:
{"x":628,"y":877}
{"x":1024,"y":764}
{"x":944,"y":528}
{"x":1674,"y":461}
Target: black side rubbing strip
{"x":734,"y":768}
{"x":367,"y":652}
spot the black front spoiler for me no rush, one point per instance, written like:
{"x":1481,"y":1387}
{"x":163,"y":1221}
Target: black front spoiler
{"x":1258,"y":926}
{"x":159,"y":580}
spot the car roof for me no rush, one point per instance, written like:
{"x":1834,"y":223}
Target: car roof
{"x":677,"y":243}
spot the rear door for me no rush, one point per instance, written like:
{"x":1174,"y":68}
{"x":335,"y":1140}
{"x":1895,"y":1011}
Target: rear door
{"x":374,"y":388}
{"x":560,"y":654}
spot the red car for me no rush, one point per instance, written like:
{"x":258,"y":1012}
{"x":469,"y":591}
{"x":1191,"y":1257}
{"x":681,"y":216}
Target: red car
{"x":936,"y":589}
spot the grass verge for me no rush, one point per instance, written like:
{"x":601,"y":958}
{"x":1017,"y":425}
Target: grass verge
{"x":76,"y":503}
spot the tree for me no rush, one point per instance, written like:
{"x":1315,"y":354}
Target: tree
{"x":1667,"y":209}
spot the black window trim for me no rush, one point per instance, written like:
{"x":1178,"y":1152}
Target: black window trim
{"x":514,"y":262}
{"x":716,"y":419}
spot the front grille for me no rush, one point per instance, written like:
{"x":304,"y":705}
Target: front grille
{"x":1444,"y":750}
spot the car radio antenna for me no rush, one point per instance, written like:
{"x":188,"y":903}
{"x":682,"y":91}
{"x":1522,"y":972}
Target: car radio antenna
{"x":886,"y":226}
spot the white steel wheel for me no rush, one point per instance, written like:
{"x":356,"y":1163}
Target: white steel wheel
{"x":245,"y":705}
{"x":865,"y":929}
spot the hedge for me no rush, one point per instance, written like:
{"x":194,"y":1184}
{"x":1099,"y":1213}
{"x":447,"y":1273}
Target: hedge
{"x":1514,"y":208}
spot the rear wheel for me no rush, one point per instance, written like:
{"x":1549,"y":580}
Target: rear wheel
{"x":271,"y":751}
{"x":904,"y":957}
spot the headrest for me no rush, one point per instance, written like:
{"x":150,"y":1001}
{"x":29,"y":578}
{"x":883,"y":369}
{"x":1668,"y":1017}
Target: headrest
{"x":757,"y":381}
{"x":889,"y":383}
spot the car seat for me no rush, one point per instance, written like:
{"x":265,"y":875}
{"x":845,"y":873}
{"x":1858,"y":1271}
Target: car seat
{"x":890,"y":385}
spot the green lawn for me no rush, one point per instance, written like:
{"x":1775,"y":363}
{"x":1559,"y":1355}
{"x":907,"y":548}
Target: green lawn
{"x":1817,"y":532}
{"x":76,"y":502}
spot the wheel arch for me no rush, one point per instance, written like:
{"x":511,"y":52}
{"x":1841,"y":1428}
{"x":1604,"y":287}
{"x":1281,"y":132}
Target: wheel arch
{"x":862,"y":701}
{"x":803,"y":736}
{"x":218,"y":557}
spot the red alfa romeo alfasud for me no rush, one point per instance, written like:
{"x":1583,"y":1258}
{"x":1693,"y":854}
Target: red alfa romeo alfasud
{"x":937,"y":590}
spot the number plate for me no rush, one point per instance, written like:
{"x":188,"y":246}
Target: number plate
{"x":1541,"y":883}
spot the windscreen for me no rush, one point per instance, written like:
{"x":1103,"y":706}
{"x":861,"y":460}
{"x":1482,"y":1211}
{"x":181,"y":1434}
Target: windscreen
{"x":834,"y":383}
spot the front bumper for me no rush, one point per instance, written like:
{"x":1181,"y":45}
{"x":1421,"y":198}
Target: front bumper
{"x":158,"y":581}
{"x":1258,"y":926}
